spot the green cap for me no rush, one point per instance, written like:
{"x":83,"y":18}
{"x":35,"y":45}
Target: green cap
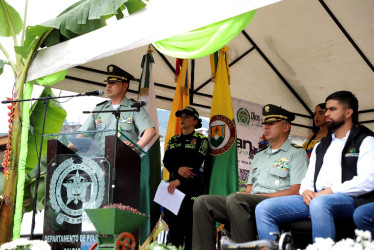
{"x":274,"y":113}
{"x":115,"y":74}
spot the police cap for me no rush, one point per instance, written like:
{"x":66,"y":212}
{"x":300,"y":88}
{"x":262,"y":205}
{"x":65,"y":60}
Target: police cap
{"x":191,"y":112}
{"x":188,"y":111}
{"x":115,"y":74}
{"x":274,"y":113}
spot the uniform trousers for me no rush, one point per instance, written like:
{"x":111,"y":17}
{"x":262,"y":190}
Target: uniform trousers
{"x":180,"y":226}
{"x":236,"y":210}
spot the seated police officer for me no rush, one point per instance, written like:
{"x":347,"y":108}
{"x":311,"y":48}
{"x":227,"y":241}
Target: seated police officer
{"x":132,"y":124}
{"x":340,"y":176}
{"x":274,"y":171}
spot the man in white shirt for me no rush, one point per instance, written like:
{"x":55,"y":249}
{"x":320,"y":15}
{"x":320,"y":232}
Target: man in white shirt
{"x":340,"y":175}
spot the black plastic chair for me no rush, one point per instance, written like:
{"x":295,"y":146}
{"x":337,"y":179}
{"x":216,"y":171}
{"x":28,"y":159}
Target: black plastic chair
{"x":302,"y":231}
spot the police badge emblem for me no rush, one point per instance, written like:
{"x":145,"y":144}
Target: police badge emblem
{"x":75,"y":187}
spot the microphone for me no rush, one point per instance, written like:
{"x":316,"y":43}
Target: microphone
{"x":92,"y":93}
{"x":138,"y":104}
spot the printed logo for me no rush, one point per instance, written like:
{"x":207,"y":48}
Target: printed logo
{"x":75,"y":187}
{"x":243,"y":117}
{"x":351,"y":153}
{"x":222,"y":134}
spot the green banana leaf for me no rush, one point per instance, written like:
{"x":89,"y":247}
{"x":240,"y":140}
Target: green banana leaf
{"x":80,"y":18}
{"x":1,"y":66}
{"x":54,"y":120}
{"x":29,"y":189}
{"x":11,"y":24}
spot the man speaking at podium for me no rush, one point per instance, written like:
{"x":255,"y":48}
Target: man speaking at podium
{"x":132,"y":124}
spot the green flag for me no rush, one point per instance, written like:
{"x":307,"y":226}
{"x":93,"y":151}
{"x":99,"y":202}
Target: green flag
{"x":151,"y":162}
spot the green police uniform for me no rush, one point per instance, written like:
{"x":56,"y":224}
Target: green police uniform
{"x":270,"y":172}
{"x":132,"y":124}
{"x":276,"y":171}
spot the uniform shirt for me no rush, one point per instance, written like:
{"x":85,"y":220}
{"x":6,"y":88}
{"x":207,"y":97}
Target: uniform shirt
{"x":276,"y":171}
{"x":330,"y":174}
{"x":186,"y":151}
{"x":132,"y":124}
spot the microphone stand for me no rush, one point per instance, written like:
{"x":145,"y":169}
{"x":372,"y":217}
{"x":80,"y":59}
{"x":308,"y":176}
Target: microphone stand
{"x":117,"y":114}
{"x":37,"y":173}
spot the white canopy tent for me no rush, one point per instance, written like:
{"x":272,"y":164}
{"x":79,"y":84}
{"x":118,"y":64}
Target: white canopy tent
{"x":293,"y":53}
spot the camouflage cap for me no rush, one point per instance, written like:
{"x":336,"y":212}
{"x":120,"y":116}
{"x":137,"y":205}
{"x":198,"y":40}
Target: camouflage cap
{"x":188,"y":111}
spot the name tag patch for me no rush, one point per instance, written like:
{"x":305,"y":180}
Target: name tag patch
{"x":351,"y":152}
{"x":351,"y":155}
{"x":127,"y":120}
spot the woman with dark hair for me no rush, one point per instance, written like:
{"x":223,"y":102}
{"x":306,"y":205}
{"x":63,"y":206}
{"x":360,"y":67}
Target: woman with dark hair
{"x":321,"y":131}
{"x":184,"y":155}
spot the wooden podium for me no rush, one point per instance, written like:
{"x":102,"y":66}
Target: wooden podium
{"x":75,"y":182}
{"x":127,"y":182}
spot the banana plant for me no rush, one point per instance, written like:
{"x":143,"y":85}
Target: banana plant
{"x":82,"y":17}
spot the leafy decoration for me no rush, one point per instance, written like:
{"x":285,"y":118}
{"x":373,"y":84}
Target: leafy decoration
{"x":11,"y":22}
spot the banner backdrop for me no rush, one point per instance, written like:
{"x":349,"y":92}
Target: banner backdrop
{"x":250,"y":139}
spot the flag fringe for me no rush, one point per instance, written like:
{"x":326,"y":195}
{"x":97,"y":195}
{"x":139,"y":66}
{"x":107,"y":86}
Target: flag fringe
{"x":144,"y":92}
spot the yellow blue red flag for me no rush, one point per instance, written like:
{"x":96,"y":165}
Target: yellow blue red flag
{"x":181,"y":100}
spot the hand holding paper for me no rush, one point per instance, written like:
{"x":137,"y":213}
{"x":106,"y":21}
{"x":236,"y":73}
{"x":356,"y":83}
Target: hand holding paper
{"x":172,"y":202}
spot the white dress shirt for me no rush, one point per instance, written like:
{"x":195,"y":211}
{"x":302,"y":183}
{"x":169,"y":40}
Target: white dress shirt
{"x":330,"y":174}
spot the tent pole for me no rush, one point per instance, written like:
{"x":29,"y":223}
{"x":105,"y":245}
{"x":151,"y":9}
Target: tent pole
{"x":359,"y":51}
{"x":278,"y":73}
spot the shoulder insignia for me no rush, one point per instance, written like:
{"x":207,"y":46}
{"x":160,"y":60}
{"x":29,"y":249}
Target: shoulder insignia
{"x":196,"y":134}
{"x":262,"y":149}
{"x":173,"y":138}
{"x":101,"y":103}
{"x":296,"y":145}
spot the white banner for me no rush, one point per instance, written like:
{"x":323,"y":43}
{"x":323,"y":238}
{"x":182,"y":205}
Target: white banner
{"x":250,"y":131}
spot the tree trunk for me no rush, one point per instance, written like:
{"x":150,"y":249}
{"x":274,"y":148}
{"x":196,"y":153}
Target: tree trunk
{"x":10,"y":182}
{"x":7,"y":210}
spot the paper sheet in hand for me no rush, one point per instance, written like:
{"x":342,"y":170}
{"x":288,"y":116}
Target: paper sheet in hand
{"x":85,"y":145}
{"x":170,"y":201}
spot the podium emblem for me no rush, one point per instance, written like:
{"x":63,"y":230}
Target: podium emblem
{"x":76,"y":186}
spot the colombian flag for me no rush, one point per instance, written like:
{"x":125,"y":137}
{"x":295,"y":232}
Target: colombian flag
{"x":181,"y":100}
